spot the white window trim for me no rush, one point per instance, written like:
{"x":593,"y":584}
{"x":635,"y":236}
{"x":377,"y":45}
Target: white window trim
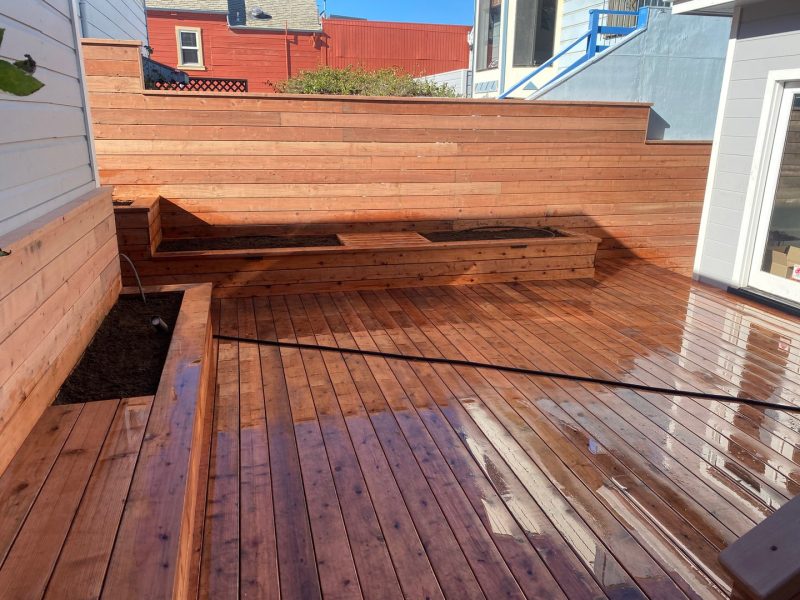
{"x":776,"y":80}
{"x":714,"y":158}
{"x":200,"y":65}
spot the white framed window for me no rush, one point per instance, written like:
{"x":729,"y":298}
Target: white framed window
{"x":190,"y":47}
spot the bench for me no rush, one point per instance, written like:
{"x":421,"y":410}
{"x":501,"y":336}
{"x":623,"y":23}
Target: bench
{"x":765,"y":562}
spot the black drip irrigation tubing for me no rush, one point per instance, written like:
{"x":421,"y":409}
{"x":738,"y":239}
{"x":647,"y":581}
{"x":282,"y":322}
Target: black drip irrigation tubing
{"x":518,"y":370}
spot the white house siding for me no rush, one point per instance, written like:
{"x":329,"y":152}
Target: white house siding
{"x":512,"y":74}
{"x":44,"y":147}
{"x":768,"y":38}
{"x":114,"y":19}
{"x":574,"y":23}
{"x":460,"y":80}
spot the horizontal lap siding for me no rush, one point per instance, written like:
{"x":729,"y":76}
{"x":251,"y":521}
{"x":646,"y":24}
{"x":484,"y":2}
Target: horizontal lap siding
{"x":44,"y":150}
{"x":258,"y":56}
{"x":317,"y":164}
{"x":59,"y":281}
{"x":115,"y":19}
{"x":768,"y":39}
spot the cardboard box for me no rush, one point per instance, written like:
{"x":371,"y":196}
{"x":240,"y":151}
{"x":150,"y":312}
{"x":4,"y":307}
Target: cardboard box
{"x":781,"y":271}
{"x":786,"y":262}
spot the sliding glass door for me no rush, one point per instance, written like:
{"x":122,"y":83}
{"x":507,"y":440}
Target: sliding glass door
{"x":775,"y":268}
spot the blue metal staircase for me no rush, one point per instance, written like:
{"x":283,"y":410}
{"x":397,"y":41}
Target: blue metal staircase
{"x":594,"y":39}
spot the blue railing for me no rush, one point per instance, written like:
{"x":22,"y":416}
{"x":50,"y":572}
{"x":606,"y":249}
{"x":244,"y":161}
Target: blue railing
{"x":594,"y":38}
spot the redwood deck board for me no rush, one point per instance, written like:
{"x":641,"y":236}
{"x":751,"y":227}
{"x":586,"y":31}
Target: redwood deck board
{"x":27,"y":472}
{"x":30,"y":561}
{"x":348,"y":476}
{"x":220,"y":578}
{"x":84,"y":558}
{"x":510,"y":485}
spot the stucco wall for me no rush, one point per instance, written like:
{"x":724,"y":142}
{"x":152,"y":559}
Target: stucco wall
{"x":676,"y":63}
{"x":767,"y":39}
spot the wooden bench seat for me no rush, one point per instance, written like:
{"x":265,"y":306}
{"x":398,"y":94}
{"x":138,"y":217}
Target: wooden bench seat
{"x":376,"y":261}
{"x":364,"y":260}
{"x":765,"y":562}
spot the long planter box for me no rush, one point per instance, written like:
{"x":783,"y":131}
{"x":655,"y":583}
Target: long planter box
{"x":369,"y":263}
{"x":153,"y":551}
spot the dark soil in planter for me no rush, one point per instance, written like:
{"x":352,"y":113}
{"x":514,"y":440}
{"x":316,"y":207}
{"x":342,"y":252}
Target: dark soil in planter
{"x":492,"y":233}
{"x":250,"y":242}
{"x":127,"y":354}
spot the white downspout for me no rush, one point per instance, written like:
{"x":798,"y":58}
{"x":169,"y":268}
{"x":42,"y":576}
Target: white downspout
{"x":506,"y":8}
{"x":84,"y":20}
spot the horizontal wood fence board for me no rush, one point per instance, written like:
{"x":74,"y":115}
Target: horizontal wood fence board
{"x":218,"y":162}
{"x":256,"y":176}
{"x":371,"y":149}
{"x":59,"y":280}
{"x":245,"y":164}
{"x":611,"y":201}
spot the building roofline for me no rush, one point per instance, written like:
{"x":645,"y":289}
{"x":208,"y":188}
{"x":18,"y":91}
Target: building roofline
{"x":277,"y":29}
{"x":368,"y":22}
{"x":187,"y":10}
{"x":716,"y":8}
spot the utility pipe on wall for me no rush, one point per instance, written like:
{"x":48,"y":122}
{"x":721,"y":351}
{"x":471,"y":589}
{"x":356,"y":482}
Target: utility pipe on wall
{"x":286,"y":43}
{"x":84,"y":20}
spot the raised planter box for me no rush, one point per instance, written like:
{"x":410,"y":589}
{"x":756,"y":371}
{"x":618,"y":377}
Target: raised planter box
{"x":104,"y":497}
{"x":375,"y":260}
{"x":154,"y":547}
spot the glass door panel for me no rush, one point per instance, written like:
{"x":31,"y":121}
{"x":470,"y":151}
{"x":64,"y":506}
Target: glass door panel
{"x":776,"y":260}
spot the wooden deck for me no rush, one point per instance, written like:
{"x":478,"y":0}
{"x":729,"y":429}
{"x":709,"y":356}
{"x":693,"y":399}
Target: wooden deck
{"x":63,"y":497}
{"x":346,"y":476}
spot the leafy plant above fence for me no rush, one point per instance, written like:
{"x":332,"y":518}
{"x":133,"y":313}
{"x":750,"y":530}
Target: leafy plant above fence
{"x":17,"y":78}
{"x":356,"y":81}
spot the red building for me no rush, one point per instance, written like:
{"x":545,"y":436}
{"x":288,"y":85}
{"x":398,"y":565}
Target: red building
{"x":416,"y":48}
{"x":267,"y":42}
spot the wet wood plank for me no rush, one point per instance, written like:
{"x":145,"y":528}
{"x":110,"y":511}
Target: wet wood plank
{"x":84,"y":558}
{"x":335,"y":563}
{"x":377,"y":576}
{"x":509,"y":485}
{"x":409,"y":558}
{"x":33,"y":556}
{"x":296,"y":559}
{"x":259,"y":560}
{"x":219,"y":573}
{"x":352,"y":476}
{"x":29,"y":469}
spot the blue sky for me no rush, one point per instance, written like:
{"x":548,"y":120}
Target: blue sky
{"x":458,"y":12}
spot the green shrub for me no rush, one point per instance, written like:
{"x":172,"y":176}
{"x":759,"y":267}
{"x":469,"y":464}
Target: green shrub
{"x":357,"y":81}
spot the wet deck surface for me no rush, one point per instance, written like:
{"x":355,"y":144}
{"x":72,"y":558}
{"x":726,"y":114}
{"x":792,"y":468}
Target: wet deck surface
{"x":346,"y":476}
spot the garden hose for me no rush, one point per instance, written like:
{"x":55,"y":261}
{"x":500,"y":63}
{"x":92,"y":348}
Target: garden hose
{"x":518,"y":370}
